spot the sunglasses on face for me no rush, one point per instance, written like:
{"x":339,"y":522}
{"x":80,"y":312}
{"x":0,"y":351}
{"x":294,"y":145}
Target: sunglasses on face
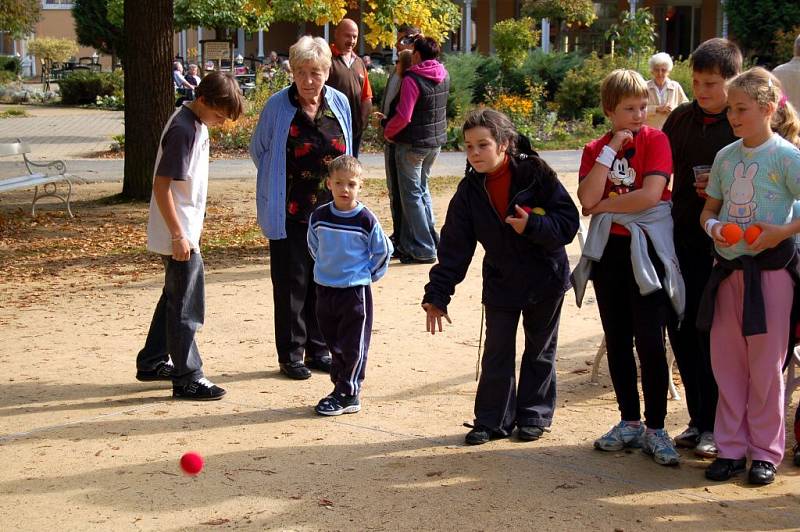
{"x":408,"y":40}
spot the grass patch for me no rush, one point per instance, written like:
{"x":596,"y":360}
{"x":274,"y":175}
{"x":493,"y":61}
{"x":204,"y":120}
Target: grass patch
{"x":14,"y":112}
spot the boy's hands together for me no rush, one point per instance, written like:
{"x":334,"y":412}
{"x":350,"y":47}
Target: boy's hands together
{"x":519,"y":221}
{"x":434,"y":317}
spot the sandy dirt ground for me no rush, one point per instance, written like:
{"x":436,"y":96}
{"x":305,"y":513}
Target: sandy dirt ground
{"x":84,"y":446}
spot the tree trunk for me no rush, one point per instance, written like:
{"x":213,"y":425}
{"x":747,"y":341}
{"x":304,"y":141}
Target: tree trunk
{"x":149,"y":91}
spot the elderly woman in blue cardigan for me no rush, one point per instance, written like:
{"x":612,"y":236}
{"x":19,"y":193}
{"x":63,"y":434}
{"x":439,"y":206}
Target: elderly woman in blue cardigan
{"x":301,"y":129}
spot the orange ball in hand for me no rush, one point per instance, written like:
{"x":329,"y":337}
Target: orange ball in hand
{"x":751,"y":234}
{"x":732,"y":233}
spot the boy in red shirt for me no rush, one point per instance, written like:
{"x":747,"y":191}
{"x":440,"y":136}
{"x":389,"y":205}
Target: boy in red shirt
{"x":626,"y":171}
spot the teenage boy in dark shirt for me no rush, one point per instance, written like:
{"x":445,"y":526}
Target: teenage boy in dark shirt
{"x":697,"y":131}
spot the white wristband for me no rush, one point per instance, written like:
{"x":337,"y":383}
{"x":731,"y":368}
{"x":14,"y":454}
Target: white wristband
{"x":607,"y":156}
{"x":709,"y":226}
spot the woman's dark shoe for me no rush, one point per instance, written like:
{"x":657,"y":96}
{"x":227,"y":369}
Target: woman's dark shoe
{"x":408,"y":259}
{"x":295,"y":370}
{"x":761,"y":473}
{"x":322,"y":363}
{"x":530,"y":433}
{"x":724,"y":468}
{"x":797,"y":454}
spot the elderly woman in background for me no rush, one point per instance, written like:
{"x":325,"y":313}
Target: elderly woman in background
{"x":664,"y":94}
{"x":301,"y":129}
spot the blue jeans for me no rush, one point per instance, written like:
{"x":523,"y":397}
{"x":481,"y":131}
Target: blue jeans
{"x":179,"y":314}
{"x":395,"y":206}
{"x":418,"y":237}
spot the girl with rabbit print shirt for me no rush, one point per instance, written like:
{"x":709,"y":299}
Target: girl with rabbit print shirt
{"x":749,"y":300}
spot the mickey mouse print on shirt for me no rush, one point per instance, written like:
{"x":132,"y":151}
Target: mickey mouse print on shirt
{"x":647,"y":154}
{"x":621,"y":174}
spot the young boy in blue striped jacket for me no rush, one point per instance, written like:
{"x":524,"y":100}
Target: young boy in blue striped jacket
{"x":350,"y":251}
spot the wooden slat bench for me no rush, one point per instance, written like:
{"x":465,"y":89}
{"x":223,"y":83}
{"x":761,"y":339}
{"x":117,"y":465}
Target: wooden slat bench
{"x":42,"y":177}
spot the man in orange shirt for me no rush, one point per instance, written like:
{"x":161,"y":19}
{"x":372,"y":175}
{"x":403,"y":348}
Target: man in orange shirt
{"x":349,"y":75}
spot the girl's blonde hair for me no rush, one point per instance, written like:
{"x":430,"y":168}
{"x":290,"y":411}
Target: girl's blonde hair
{"x":763,"y":87}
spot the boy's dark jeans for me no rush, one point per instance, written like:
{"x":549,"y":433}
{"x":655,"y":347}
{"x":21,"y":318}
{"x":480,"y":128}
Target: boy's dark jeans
{"x":500,"y":403}
{"x":179,"y":313}
{"x":692,"y":347}
{"x":630,"y":318}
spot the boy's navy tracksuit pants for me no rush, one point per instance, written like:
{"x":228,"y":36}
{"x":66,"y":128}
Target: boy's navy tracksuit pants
{"x":345,"y":319}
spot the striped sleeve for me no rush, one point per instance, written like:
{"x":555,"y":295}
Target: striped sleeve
{"x":380,"y":252}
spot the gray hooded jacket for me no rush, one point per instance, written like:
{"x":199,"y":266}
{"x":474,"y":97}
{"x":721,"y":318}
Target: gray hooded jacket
{"x":655,"y":223}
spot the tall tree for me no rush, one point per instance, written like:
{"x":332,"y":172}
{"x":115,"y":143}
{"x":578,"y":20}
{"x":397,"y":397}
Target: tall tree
{"x":19,"y":17}
{"x":222,"y":15}
{"x":755,"y":22}
{"x":148,"y":89}
{"x":568,"y":11}
{"x":94,"y":29}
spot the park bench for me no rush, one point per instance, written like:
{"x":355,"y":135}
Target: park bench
{"x":44,"y":182}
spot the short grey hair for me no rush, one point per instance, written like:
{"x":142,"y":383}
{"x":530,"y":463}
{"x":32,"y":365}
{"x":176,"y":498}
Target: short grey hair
{"x":659,"y":59}
{"x":797,"y":46}
{"x":309,"y":49}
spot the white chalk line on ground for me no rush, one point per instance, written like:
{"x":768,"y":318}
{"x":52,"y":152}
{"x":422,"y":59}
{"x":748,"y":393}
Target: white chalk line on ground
{"x":530,"y":457}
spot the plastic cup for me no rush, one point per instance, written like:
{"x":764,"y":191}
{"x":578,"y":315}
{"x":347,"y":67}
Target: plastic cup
{"x":701,"y":172}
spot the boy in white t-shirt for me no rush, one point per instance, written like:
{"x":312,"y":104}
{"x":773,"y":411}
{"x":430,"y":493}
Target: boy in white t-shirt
{"x":177,"y":208}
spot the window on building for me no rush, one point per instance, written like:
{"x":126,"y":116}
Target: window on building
{"x":57,"y":4}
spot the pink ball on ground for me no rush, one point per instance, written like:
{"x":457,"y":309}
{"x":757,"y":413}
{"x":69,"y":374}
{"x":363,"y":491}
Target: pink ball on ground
{"x":191,"y":463}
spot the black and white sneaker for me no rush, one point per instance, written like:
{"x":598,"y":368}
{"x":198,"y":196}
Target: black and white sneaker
{"x":162,"y":372}
{"x":199,"y":390}
{"x":337,"y":404}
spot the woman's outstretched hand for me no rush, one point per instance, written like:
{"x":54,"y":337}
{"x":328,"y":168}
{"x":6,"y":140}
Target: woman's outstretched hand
{"x":434,"y":317}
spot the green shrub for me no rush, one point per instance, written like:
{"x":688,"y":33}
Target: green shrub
{"x":10,"y":64}
{"x":580,"y":89}
{"x":486,"y":75}
{"x":513,"y":38}
{"x":83,"y":87}
{"x":7,"y":77}
{"x":463,"y":70}
{"x":266,"y":87}
{"x":682,"y":73}
{"x":550,"y":69}
{"x":378,"y":80}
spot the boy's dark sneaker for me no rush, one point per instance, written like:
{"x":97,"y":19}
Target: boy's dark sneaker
{"x":761,"y":473}
{"x":337,"y":404}
{"x":199,"y":390}
{"x":295,"y":370}
{"x":162,"y":372}
{"x":724,"y":468}
{"x":481,"y":434}
{"x":796,"y":454}
{"x":530,"y":433}
{"x":322,"y":363}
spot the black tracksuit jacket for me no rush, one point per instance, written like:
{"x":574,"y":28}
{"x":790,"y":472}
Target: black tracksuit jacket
{"x":518,"y":270}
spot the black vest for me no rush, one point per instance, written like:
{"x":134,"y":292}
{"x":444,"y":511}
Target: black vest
{"x":428,"y":126}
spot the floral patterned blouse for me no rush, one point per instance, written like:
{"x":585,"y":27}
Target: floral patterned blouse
{"x":311,"y":146}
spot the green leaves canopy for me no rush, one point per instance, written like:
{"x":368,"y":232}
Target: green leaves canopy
{"x":19,"y":17}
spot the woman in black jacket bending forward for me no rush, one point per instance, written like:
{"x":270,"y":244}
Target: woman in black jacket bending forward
{"x":511,"y":202}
